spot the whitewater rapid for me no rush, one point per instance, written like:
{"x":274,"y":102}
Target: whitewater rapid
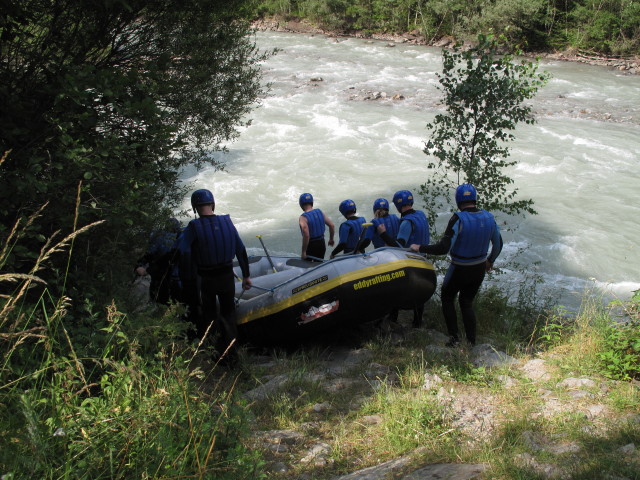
{"x":316,"y":132}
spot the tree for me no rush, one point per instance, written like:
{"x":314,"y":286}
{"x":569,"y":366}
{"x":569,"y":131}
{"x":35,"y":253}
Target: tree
{"x":483,"y":94}
{"x":113,"y":97}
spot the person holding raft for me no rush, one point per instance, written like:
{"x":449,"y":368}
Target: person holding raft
{"x":381,"y":216}
{"x":414,"y":226}
{"x":466,"y":239}
{"x":210,"y":243}
{"x":350,"y":232}
{"x":313,"y":224}
{"x":413,"y":229}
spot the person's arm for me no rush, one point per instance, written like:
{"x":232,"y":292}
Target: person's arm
{"x":445,"y":243}
{"x":386,"y":238}
{"x":338,"y":249}
{"x":364,"y":240}
{"x":304,"y":229}
{"x":185,"y":241}
{"x":496,"y":247}
{"x":363,"y":244}
{"x":404,"y":232}
{"x":332,"y":228}
{"x":243,"y":261}
{"x":343,"y":236}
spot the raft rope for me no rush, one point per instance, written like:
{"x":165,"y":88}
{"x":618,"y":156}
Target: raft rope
{"x":337,"y":258}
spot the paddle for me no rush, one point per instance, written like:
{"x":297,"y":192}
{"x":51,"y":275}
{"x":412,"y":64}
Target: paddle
{"x":267,"y":253}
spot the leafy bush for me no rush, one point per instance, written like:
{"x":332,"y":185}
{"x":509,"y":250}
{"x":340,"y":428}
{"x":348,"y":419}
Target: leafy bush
{"x":620,"y":348}
{"x":516,"y":20}
{"x":111,"y":100}
{"x":106,"y":395}
{"x":610,"y":26}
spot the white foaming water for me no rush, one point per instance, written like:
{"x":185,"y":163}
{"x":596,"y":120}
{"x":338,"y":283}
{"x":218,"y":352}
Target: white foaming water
{"x":579,"y":163}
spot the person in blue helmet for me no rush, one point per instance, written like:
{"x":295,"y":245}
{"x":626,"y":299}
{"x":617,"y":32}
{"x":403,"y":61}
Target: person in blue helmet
{"x":313,"y":223}
{"x":413,"y":229}
{"x":209,"y":243}
{"x":159,"y":262}
{"x":351,"y":230}
{"x":466,"y":239}
{"x":391,"y":222}
{"x":381,"y":216}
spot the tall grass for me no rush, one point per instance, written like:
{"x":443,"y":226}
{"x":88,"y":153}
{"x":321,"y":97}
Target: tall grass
{"x":108,"y":395}
{"x":602,"y":337}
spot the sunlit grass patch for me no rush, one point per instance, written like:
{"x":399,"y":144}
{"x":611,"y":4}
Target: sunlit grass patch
{"x":624,"y":397}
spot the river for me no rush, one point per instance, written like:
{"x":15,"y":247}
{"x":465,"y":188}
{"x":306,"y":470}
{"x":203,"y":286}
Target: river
{"x":317,"y":133}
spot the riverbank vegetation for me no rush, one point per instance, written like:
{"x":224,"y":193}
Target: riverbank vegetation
{"x":124,"y":395}
{"x":106,"y":102}
{"x":610,"y":27}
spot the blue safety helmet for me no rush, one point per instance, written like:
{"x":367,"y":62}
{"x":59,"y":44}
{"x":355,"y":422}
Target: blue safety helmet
{"x":402,"y":198}
{"x":466,"y":193}
{"x":380,"y":203}
{"x":347,"y":206}
{"x":201,"y":197}
{"x":305,"y":198}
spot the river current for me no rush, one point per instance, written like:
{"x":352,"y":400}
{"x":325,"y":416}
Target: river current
{"x":317,"y":132}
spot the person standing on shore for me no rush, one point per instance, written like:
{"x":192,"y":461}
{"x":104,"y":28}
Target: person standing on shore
{"x":413,"y":228}
{"x":466,"y":239}
{"x":210,"y":243}
{"x":313,"y":223}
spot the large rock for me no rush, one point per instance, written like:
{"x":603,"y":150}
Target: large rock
{"x":447,"y":471}
{"x":536,"y":370}
{"x":485,"y":355}
{"x":377,"y":472}
{"x":576,"y":383}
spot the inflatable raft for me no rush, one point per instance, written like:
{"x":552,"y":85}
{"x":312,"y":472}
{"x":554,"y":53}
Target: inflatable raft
{"x":293,"y":298}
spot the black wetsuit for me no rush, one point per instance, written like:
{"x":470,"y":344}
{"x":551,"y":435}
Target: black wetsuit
{"x":464,"y":278}
{"x":211,"y":255}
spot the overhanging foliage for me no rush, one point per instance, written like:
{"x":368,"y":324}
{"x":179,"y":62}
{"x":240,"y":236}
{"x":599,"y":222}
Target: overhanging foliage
{"x":114,"y":97}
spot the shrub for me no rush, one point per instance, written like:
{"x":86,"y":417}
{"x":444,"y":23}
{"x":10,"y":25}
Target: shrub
{"x":620,"y":348}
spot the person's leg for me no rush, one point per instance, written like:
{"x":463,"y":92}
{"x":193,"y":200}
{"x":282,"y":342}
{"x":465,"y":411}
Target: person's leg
{"x":474,"y":275}
{"x":209,"y":308}
{"x":418,"y":312}
{"x":227,"y":327}
{"x":447,"y":296}
{"x":190,"y":296}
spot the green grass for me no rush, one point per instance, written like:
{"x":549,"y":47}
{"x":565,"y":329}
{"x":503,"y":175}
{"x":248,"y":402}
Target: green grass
{"x":111,"y":395}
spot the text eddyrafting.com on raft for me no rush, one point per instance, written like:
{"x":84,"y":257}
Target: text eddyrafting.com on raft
{"x":387,"y":277}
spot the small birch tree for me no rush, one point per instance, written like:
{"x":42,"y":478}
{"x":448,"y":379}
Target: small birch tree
{"x":484,"y":94}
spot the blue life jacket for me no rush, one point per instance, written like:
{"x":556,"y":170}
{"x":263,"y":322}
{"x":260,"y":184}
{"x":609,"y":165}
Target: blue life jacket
{"x":353,"y":235}
{"x":419,"y":230}
{"x":216,"y":240}
{"x":391,"y":223}
{"x":162,"y":242}
{"x":474,"y":233}
{"x":315,"y":220}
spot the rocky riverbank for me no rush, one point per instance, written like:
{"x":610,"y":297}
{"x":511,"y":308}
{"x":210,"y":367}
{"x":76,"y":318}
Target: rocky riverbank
{"x":320,"y":413}
{"x":629,"y":65}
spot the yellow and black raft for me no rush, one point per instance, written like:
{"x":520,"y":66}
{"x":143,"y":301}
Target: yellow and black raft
{"x":293,"y":298}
